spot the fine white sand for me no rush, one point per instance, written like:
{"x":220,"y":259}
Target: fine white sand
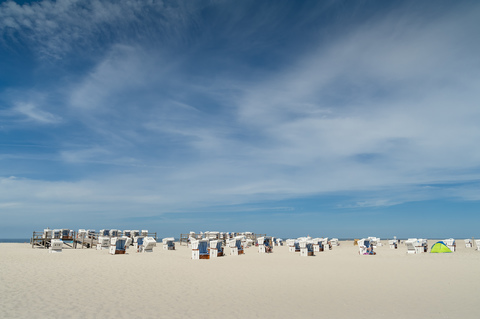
{"x":86,"y":283}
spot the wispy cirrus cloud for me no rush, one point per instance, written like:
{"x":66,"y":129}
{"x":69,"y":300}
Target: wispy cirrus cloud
{"x":33,"y":113}
{"x":56,"y":28}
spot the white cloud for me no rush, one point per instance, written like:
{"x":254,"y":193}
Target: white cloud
{"x":34,"y":113}
{"x":54,"y":29}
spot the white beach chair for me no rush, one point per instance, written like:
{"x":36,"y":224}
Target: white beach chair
{"x":117,"y":246}
{"x":236,"y":247}
{"x":291,"y":245}
{"x":194,"y":245}
{"x":128,"y":241}
{"x":200,"y":249}
{"x":56,"y":246}
{"x":168,"y":243}
{"x":468,"y":243}
{"x":392,"y":243}
{"x":56,"y":233}
{"x":374,"y":241}
{"x":261,"y":246}
{"x":104,"y":232}
{"x":306,"y":248}
{"x":216,"y":249}
{"x":362,"y":248}
{"x":326,"y":244}
{"x":66,"y":234}
{"x":114,"y":233}
{"x":410,"y":247}
{"x":477,"y":244}
{"x":334,"y":242}
{"x":416,"y":246}
{"x":265,"y":244}
{"x":317,"y":245}
{"x":138,"y":243}
{"x":144,"y":233}
{"x":148,"y":244}
{"x":451,"y":244}
{"x":103,"y":242}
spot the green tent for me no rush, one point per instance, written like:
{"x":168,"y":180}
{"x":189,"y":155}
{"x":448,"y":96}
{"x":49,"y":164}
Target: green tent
{"x":440,"y":247}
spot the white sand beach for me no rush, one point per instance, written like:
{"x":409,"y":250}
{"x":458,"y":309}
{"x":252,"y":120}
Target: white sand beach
{"x":86,"y":283}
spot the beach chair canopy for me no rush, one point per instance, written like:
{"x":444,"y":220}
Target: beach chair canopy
{"x":440,"y":247}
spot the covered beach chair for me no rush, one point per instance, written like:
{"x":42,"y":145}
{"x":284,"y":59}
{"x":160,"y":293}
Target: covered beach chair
{"x":416,"y":245}
{"x":128,"y":241}
{"x":235,"y":245}
{"x":114,"y":232}
{"x":56,"y":246}
{"x":215,"y":250}
{"x":168,"y":243}
{"x":306,"y":248}
{"x":67,"y":234}
{"x":451,"y":244}
{"x":200,"y":249}
{"x":468,"y":243}
{"x":365,"y":247}
{"x":148,"y":244}
{"x":334,"y":242}
{"x":117,"y":246}
{"x":317,"y":245}
{"x":57,"y":234}
{"x":327,"y":245}
{"x":248,"y":243}
{"x":144,"y":233}
{"x":374,"y":241}
{"x":104,"y":232}
{"x":411,"y":247}
{"x":392,"y":243}
{"x":291,"y":245}
{"x":477,"y":244}
{"x":261,"y":244}
{"x":103,"y":242}
{"x":138,"y":243}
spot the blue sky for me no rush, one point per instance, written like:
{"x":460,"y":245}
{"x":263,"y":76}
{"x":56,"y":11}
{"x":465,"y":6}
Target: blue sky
{"x":327,"y":118}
